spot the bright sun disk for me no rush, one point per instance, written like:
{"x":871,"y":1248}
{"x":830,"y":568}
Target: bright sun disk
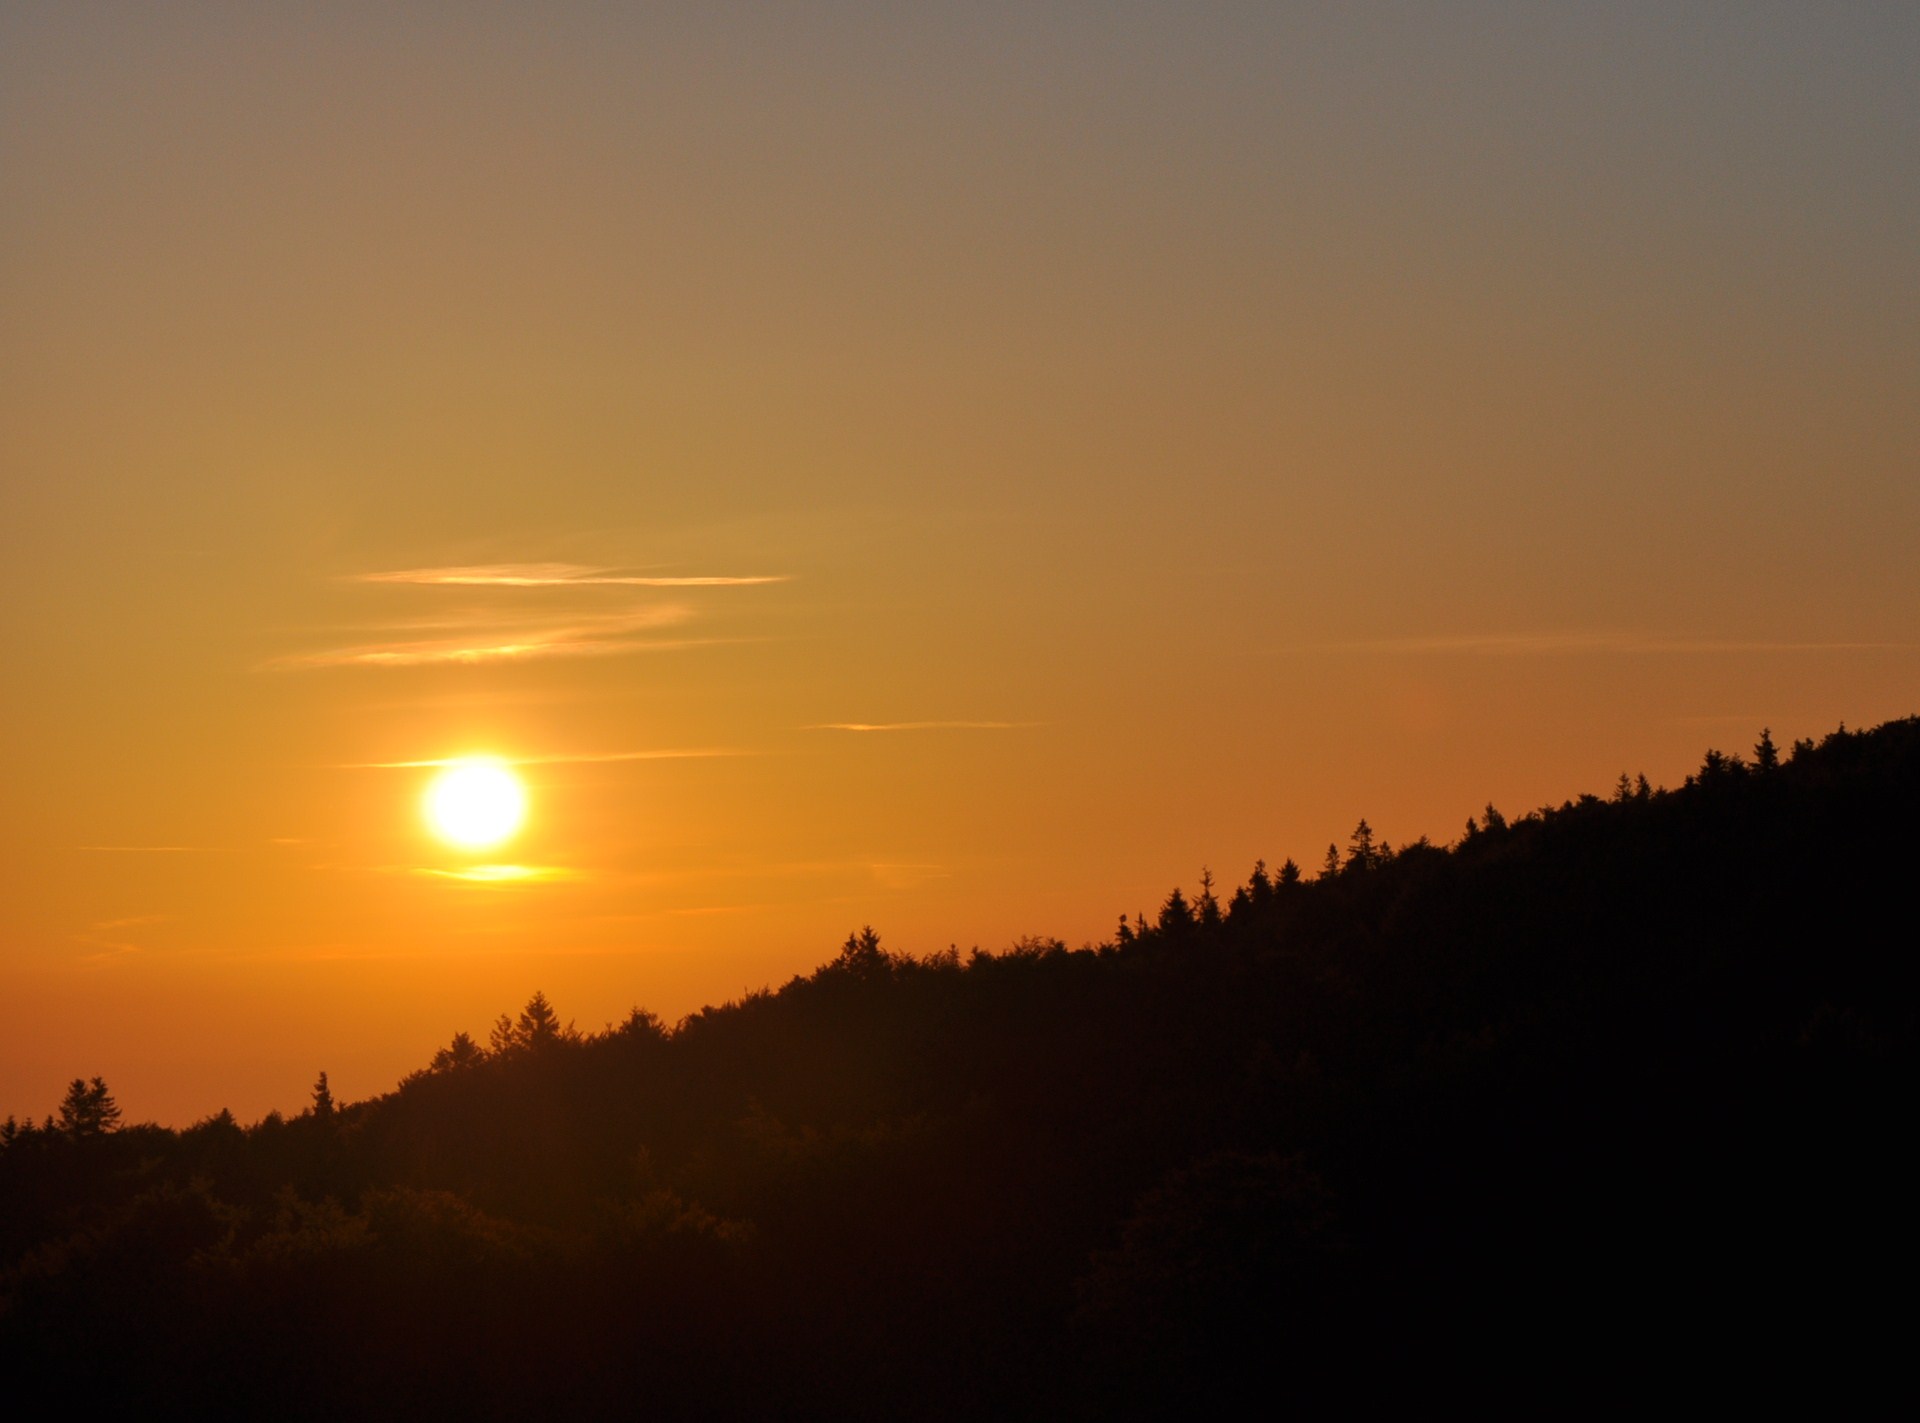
{"x":474,"y":804}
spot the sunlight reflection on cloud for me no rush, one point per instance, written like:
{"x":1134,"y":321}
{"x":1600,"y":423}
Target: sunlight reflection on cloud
{"x":505,"y":874}
{"x":466,"y":652}
{"x":583,"y":758}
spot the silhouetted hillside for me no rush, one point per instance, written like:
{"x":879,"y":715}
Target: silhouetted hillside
{"x":1602,"y":1096}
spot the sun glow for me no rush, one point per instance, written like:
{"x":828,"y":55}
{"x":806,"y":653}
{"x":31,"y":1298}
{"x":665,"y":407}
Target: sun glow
{"x":475,"y":804}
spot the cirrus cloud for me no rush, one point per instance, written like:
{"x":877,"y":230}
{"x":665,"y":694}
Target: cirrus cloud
{"x":601,"y":635}
{"x":1577,"y":642}
{"x":919,"y":725}
{"x":559,"y":575}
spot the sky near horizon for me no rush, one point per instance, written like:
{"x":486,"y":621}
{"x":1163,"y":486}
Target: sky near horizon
{"x":959,"y":469}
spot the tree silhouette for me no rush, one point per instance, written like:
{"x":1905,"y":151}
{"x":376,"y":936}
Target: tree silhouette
{"x":538,"y":1026}
{"x":1717,"y":767}
{"x":322,"y":1098}
{"x":1361,"y":853}
{"x":1209,"y":903}
{"x":862,"y":955}
{"x":463,"y":1051}
{"x":1176,"y":914}
{"x":538,"y":1023}
{"x":88,"y":1109}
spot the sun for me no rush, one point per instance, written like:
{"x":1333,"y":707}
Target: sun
{"x":475,"y":803}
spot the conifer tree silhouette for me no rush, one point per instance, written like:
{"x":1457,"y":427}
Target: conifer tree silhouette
{"x":88,"y":1109}
{"x":463,"y":1051}
{"x":1176,"y":914}
{"x":862,"y":955}
{"x":1208,"y":904}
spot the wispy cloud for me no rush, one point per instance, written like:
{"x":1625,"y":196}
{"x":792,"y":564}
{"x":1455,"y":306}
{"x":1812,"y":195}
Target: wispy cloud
{"x":906,"y":876}
{"x":919,"y":725}
{"x":463,"y":653}
{"x":508,"y":874}
{"x":157,"y":849}
{"x":108,"y":938}
{"x":1561,"y":643}
{"x":491,"y":635}
{"x":605,"y":635}
{"x":505,"y":874}
{"x":582,"y":758}
{"x":560,"y":575}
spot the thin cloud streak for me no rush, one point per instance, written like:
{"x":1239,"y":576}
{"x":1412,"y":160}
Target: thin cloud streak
{"x":584,"y":758}
{"x":485,"y":637}
{"x":105,"y":949}
{"x":559,"y":575}
{"x":919,"y":725}
{"x":906,"y":876}
{"x":464,"y":652}
{"x":1561,"y":643}
{"x":505,"y":874}
{"x":157,"y":849}
{"x":502,"y":874}
{"x":500,"y":640}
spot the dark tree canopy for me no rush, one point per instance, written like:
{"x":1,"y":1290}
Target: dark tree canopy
{"x":1615,"y":1071}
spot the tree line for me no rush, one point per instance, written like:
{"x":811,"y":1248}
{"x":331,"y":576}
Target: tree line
{"x":1536,"y":1102}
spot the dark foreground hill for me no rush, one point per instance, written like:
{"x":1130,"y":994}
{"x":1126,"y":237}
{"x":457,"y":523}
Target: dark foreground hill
{"x":1608,"y":1098}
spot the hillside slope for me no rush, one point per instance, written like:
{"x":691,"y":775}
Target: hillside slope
{"x":1609,"y":1090}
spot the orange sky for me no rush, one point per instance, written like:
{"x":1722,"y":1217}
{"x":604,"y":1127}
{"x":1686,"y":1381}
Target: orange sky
{"x":1187,"y":429}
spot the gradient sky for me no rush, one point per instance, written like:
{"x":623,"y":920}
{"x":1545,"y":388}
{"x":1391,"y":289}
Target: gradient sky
{"x":1128,"y":438}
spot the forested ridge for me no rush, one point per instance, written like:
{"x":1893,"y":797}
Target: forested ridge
{"x":1605,"y":1093}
